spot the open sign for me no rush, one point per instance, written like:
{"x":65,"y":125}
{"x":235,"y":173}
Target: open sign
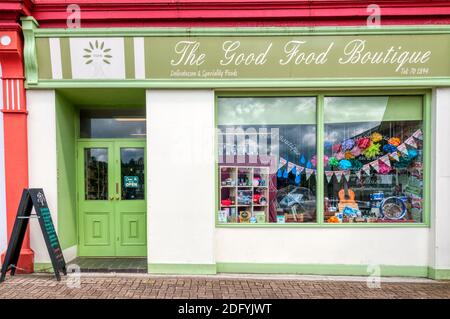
{"x":131,"y":181}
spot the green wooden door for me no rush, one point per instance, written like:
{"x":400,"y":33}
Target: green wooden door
{"x":112,"y":198}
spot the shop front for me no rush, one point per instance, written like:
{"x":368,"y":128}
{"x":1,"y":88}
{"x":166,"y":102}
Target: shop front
{"x":269,"y":150}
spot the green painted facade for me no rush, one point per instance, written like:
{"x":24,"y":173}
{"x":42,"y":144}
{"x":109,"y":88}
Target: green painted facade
{"x":66,"y":135}
{"x":130,"y":91}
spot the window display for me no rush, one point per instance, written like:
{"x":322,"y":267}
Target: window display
{"x":254,"y":135}
{"x":372,"y":163}
{"x":374,"y":159}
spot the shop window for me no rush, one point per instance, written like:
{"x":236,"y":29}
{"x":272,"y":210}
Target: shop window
{"x":112,"y":123}
{"x":267,"y":160}
{"x":373,"y":159}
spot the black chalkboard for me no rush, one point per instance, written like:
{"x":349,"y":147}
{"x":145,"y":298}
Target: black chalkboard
{"x":33,"y":197}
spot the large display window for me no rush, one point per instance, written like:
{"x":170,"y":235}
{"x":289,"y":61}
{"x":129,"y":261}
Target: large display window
{"x":253,"y":132}
{"x":373,"y":155}
{"x":369,"y":168}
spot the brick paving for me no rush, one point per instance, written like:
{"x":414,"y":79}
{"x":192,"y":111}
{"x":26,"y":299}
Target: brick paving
{"x":146,"y":286}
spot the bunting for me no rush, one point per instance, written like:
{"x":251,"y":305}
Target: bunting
{"x":385,"y":159}
{"x":281,"y":163}
{"x":411,"y":142}
{"x":329,"y":175}
{"x":402,"y":148}
{"x":290,"y":166}
{"x":309,"y":172}
{"x":346,"y":175}
{"x":338,"y":175}
{"x":395,"y":156}
{"x":418,"y":134}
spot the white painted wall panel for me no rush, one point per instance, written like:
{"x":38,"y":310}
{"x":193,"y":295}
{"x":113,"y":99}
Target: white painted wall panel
{"x":42,"y":159}
{"x":440,"y":243}
{"x":180,"y":166}
{"x":350,"y":246}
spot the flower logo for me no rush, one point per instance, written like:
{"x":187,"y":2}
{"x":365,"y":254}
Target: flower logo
{"x":97,"y":52}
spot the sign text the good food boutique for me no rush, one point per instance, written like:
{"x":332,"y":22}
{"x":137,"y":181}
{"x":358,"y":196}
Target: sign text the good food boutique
{"x":293,"y":57}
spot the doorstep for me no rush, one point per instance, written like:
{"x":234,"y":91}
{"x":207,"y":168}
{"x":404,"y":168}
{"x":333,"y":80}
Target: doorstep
{"x":110,"y":264}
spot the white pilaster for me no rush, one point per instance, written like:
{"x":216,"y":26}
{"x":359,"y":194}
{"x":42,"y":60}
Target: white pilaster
{"x":440,"y":239}
{"x":42,"y":160}
{"x":180,"y":170}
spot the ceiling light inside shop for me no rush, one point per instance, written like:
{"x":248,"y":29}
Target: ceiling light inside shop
{"x":130,"y":119}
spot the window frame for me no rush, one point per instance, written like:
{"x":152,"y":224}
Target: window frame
{"x":320,"y":129}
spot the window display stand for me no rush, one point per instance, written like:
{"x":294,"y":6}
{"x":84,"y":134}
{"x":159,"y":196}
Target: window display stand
{"x":244,"y":196}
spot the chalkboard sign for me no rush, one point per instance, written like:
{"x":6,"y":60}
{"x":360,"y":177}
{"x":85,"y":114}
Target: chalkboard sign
{"x":33,"y":197}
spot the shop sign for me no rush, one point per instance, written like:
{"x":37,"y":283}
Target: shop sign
{"x":131,"y":181}
{"x":283,"y":57}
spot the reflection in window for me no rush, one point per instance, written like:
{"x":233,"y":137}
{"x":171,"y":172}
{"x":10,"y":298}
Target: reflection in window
{"x":132,"y":173}
{"x":254,"y":136}
{"x":96,"y":173}
{"x":120,"y":123}
{"x":374,"y":161}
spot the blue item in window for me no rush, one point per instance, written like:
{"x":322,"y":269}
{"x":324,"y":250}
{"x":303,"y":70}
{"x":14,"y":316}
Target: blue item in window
{"x":345,"y":164}
{"x":389,"y":148}
{"x":377,"y":196}
{"x":294,"y":170}
{"x":302,"y":160}
{"x":350,"y":212}
{"x":279,"y":173}
{"x":412,"y":154}
{"x":298,"y":179}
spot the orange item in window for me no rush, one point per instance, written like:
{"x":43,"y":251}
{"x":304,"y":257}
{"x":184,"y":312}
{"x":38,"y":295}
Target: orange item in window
{"x":394,"y":141}
{"x":333,"y":219}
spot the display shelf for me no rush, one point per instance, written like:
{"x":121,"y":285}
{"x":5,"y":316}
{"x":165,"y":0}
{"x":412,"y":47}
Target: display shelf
{"x":242,"y":186}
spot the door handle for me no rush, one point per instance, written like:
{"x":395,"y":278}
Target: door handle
{"x":111,"y":197}
{"x":117,"y":197}
{"x":117,"y":191}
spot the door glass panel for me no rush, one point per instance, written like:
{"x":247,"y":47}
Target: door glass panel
{"x":96,"y":173}
{"x":132,"y":173}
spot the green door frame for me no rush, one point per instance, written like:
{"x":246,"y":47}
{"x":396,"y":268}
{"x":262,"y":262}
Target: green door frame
{"x":114,"y":204}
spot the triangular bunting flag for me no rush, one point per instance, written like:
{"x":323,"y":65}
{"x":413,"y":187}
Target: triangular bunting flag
{"x":358,"y":174}
{"x":385,"y":160}
{"x":299,"y":169}
{"x":375,"y":165}
{"x":338,"y":175}
{"x":309,"y":172}
{"x":366,"y":169}
{"x":346,"y":175}
{"x":394,"y":155}
{"x":402,"y":148}
{"x":418,"y":134}
{"x":281,"y":163}
{"x":290,"y":166}
{"x":329,"y":175}
{"x":411,"y":142}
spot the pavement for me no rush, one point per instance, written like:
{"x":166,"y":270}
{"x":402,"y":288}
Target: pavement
{"x":119,"y":286}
